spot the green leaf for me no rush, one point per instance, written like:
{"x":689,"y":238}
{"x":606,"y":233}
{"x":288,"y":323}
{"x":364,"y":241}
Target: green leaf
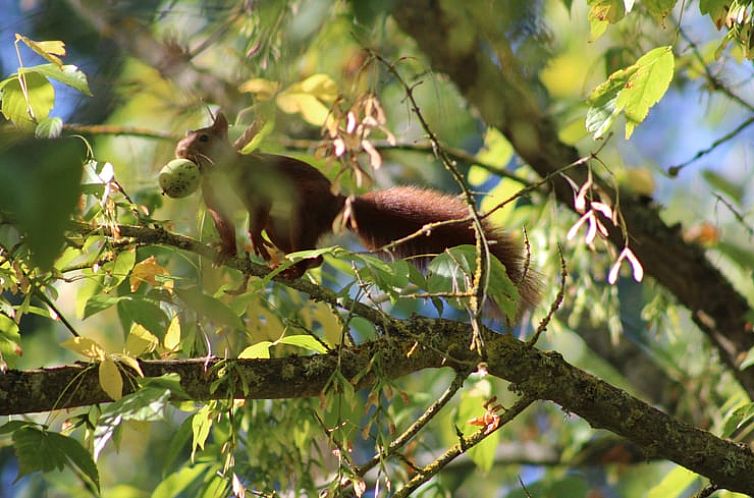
{"x":673,"y":484}
{"x":471,"y":406}
{"x":500,"y":193}
{"x":452,"y":270}
{"x":646,"y":86}
{"x":716,"y":9}
{"x":68,"y":75}
{"x":121,"y":267}
{"x":659,"y":8}
{"x":38,"y":450}
{"x":49,"y":128}
{"x":174,"y":484}
{"x":146,"y":312}
{"x":9,"y":329}
{"x":145,"y":405}
{"x":718,"y":182}
{"x":741,"y":255}
{"x":89,"y":286}
{"x":39,"y":187}
{"x":497,"y":151}
{"x":177,"y":444}
{"x":389,"y":277}
{"x":602,"y":13}
{"x":502,"y":290}
{"x":14,"y":425}
{"x":748,"y":360}
{"x":201,"y":423}
{"x":738,"y":418}
{"x":602,"y":102}
{"x":570,"y":486}
{"x":15,"y":106}
{"x":303,"y":341}
{"x":170,"y":382}
{"x":212,"y":308}
{"x":100,"y":302}
{"x":260,"y":350}
{"x":632,"y":91}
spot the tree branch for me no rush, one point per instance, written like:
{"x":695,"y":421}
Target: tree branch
{"x":432,"y":344}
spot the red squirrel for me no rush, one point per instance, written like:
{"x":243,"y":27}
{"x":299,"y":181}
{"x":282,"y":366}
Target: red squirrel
{"x":294,"y":203}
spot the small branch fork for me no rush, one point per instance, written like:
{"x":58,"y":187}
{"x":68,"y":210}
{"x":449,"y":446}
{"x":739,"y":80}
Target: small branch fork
{"x":718,"y":85}
{"x":464,"y":444}
{"x":415,"y":427}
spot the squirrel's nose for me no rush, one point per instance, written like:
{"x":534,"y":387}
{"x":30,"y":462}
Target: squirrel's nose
{"x":180,"y":151}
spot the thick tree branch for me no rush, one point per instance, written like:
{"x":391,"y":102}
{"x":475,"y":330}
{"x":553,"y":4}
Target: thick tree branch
{"x":432,"y":344}
{"x":504,"y":99}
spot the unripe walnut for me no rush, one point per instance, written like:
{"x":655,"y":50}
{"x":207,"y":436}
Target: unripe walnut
{"x":179,"y":178}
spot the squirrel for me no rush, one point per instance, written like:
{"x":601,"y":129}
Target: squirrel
{"x":294,"y":203}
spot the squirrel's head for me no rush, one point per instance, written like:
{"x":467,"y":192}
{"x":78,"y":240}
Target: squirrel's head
{"x":206,"y":146}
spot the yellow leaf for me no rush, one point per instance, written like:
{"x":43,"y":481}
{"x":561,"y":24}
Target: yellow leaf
{"x":140,"y":341}
{"x":637,"y":180}
{"x":258,"y":350}
{"x":262,"y":88}
{"x":564,"y":75}
{"x":309,"y":98}
{"x":321,"y":86}
{"x":502,"y":192}
{"x":56,"y":47}
{"x":85,"y":347}
{"x":313,"y":111}
{"x":46,"y":49}
{"x":172,"y":339}
{"x":110,"y":379}
{"x":146,"y":271}
{"x":131,"y":362}
{"x":262,"y":323}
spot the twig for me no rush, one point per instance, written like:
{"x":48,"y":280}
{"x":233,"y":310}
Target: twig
{"x":714,"y":80}
{"x":736,"y":213}
{"x":455,"y":153}
{"x":674,"y":170}
{"x":134,"y":131}
{"x":37,"y":290}
{"x":707,"y":491}
{"x":523,"y":486}
{"x":463,"y":445}
{"x":555,"y":304}
{"x":417,"y":426}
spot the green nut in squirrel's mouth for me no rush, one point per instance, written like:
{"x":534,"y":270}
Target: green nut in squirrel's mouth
{"x":179,"y":178}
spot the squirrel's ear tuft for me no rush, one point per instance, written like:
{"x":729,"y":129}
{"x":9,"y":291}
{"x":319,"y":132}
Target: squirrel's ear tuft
{"x":220,"y":124}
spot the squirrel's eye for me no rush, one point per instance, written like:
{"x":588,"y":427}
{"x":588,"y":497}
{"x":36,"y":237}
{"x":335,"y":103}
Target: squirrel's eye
{"x":204,"y":138}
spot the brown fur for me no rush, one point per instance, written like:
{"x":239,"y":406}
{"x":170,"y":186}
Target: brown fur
{"x":384,"y":216}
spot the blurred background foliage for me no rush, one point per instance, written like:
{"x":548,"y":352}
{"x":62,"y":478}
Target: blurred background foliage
{"x":632,"y":335}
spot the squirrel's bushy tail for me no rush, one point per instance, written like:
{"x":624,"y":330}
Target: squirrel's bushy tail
{"x":381,"y":217}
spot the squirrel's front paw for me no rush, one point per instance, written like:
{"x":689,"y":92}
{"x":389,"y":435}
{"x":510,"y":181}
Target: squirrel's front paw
{"x":292,"y":273}
{"x":224,"y":254}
